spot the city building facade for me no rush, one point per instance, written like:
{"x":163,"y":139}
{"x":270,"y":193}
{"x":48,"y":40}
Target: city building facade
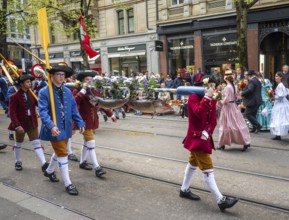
{"x":18,"y":31}
{"x":202,"y":34}
{"x":125,"y":39}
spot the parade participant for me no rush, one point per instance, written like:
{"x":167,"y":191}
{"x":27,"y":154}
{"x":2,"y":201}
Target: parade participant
{"x":3,"y":93}
{"x":11,"y":90}
{"x":25,"y":121}
{"x":88,"y":111}
{"x":252,"y":100}
{"x":202,"y":122}
{"x":59,"y":133}
{"x":40,"y":78}
{"x":279,"y":125}
{"x":264,"y":111}
{"x":233,"y":128}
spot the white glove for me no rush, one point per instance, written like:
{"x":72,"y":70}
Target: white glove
{"x":209,"y":92}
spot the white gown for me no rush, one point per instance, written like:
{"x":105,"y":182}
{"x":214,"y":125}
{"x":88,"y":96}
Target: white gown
{"x":279,"y":124}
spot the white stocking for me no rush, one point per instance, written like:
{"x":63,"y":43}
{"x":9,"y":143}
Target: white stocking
{"x":38,"y":151}
{"x":189,"y":173}
{"x":209,"y":178}
{"x":63,"y":167}
{"x":52,"y":165}
{"x":17,"y":151}
{"x":90,"y":146}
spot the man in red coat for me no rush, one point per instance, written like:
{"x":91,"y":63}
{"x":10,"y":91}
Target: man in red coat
{"x":23,"y":117}
{"x":88,"y":111}
{"x":202,"y":122}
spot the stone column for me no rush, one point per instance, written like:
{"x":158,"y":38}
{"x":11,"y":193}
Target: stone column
{"x":163,"y":56}
{"x":198,"y":50}
{"x":253,"y":46}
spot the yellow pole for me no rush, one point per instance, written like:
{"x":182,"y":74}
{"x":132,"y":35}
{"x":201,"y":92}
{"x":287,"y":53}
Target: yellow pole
{"x":9,"y":77}
{"x":44,"y":39}
{"x":28,"y":51}
{"x":17,"y":75}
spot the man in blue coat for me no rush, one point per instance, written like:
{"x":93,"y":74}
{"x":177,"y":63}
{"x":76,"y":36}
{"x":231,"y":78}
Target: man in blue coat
{"x":58,"y":134}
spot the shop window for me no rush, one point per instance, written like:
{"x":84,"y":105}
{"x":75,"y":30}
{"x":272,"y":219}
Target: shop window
{"x":177,"y":2}
{"x":130,"y":20}
{"x":120,"y":20}
{"x":181,"y":55}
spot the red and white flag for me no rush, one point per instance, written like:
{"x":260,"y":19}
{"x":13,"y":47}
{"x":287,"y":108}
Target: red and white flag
{"x":85,"y":40}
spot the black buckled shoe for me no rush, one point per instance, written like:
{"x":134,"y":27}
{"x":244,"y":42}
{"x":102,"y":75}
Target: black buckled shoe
{"x":51,"y":176}
{"x":99,"y":171}
{"x":44,"y":166}
{"x":123,"y":114}
{"x":11,"y":137}
{"x":18,"y":166}
{"x":221,"y":147}
{"x":277,"y":138}
{"x":257,"y":130}
{"x":245,"y":147}
{"x":2,"y":146}
{"x":71,"y":190}
{"x":84,"y":165}
{"x":105,"y":118}
{"x":189,"y":195}
{"x":227,"y":202}
{"x":72,"y":157}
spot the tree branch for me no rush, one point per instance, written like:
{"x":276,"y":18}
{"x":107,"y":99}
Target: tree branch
{"x":252,"y":3}
{"x":13,"y":13}
{"x":88,"y":4}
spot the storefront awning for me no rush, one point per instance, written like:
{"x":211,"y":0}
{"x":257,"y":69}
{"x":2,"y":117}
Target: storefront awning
{"x":127,"y":54}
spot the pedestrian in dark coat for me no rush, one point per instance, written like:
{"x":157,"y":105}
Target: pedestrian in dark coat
{"x":252,"y":99}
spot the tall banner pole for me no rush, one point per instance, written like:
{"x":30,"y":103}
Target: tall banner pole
{"x":28,"y":51}
{"x":16,"y":74}
{"x":44,"y":39}
{"x":9,"y":77}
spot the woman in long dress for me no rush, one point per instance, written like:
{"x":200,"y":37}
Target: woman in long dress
{"x":264,"y":119}
{"x":233,"y":128}
{"x":279,"y":125}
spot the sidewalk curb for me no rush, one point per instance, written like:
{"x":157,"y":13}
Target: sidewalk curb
{"x":37,"y":205}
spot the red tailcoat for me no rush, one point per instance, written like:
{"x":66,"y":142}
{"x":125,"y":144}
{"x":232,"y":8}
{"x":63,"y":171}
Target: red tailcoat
{"x":87,"y":110}
{"x":202,"y":116}
{"x":18,"y":111}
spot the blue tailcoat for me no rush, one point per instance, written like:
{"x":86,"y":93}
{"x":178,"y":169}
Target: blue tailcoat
{"x":64,"y":123}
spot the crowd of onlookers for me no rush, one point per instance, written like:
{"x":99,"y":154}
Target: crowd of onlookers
{"x":188,"y":78}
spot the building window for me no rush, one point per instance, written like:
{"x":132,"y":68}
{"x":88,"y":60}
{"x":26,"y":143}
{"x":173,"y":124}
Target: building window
{"x":177,"y":2}
{"x":120,"y":19}
{"x":27,"y":32}
{"x":75,"y":35}
{"x":130,"y":20}
{"x":52,"y":35}
{"x":20,"y":29}
{"x":13,"y":27}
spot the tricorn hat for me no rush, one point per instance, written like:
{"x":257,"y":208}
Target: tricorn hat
{"x":206,"y":79}
{"x":83,"y":74}
{"x":60,"y":68}
{"x":23,"y":78}
{"x":251,"y":72}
